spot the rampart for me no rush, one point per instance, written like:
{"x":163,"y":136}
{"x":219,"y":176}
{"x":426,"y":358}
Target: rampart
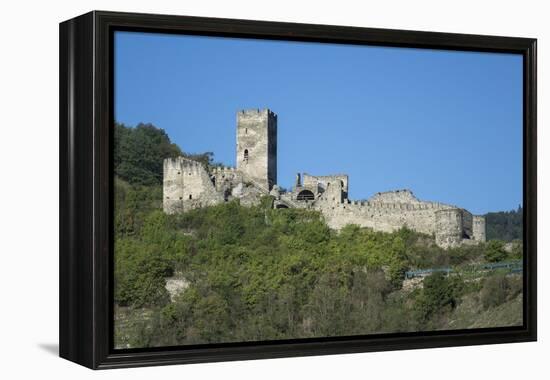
{"x":187,"y":185}
{"x":381,"y":216}
{"x":390,"y":211}
{"x":320,"y":183}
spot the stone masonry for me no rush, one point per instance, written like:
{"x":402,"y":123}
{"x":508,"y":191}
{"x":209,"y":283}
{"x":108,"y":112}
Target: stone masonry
{"x":188,"y":185}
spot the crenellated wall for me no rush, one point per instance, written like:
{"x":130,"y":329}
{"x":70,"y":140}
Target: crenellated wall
{"x":187,"y":185}
{"x":380,"y":216}
{"x":389,"y":211}
{"x":448,"y":224}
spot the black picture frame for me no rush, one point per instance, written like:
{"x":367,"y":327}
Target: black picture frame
{"x":86,"y":141}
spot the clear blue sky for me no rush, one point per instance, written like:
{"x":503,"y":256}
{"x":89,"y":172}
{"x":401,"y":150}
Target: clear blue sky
{"x":447,"y":125}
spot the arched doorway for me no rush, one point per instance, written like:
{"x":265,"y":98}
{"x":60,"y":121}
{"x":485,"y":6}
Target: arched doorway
{"x":305,"y":195}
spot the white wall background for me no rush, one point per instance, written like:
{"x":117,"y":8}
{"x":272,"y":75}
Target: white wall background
{"x":29,"y":191}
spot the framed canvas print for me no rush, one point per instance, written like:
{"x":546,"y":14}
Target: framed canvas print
{"x":237,"y":189}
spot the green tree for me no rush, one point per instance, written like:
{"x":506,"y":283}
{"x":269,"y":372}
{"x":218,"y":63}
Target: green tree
{"x":494,"y":251}
{"x":140,"y":273}
{"x":139,"y":153}
{"x":328,"y":307}
{"x":439,"y":293}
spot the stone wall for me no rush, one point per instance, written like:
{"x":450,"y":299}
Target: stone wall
{"x":395,"y":196}
{"x":445,"y":222}
{"x":386,"y":211}
{"x":172,"y":190}
{"x":380,"y":216}
{"x":321,"y":182}
{"x":187,"y":185}
{"x":225,"y":178}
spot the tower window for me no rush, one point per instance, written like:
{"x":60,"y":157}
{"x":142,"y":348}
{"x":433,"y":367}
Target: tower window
{"x":246,"y":154}
{"x":190,"y":196}
{"x":246,"y":131}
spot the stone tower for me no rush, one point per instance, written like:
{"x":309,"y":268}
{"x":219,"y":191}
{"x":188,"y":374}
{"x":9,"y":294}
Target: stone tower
{"x":257,"y":146}
{"x":479,"y":233}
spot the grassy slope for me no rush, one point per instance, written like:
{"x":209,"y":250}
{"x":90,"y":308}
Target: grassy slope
{"x":470,"y":314}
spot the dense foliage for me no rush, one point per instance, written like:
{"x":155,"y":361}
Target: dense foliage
{"x":505,"y":225}
{"x":139,"y":153}
{"x":255,"y":273}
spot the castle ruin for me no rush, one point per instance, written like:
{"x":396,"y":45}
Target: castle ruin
{"x":188,"y":185}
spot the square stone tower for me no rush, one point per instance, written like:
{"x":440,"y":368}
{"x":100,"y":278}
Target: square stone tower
{"x":257,"y":146}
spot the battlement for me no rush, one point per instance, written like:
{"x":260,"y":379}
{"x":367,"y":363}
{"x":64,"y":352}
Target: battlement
{"x":385,"y":206}
{"x":254,"y":112}
{"x":175,"y":169}
{"x":224,"y":170}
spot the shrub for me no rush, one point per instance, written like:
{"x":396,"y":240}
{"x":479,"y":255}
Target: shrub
{"x":439,"y":293}
{"x":494,"y":251}
{"x":495,"y":290}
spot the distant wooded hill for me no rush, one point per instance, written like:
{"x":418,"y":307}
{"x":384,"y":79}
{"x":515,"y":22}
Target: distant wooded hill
{"x":505,"y":225}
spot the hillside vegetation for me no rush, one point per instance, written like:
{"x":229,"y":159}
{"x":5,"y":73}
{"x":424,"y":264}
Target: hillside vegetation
{"x":255,"y":273}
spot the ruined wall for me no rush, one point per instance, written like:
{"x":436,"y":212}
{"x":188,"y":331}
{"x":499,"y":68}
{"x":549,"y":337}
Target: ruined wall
{"x":248,"y":195}
{"x":172,"y":190}
{"x":396,"y":196}
{"x":257,"y":146}
{"x":448,"y":224}
{"x":225,"y":178}
{"x":333,"y":193}
{"x":187,"y":185}
{"x":380,"y":216}
{"x":321,"y":182}
{"x":389,"y":211}
{"x":392,"y":210}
